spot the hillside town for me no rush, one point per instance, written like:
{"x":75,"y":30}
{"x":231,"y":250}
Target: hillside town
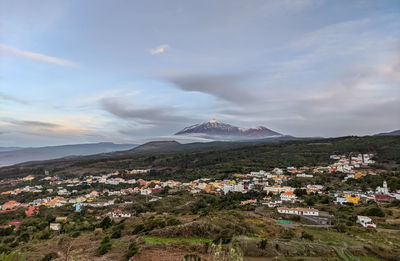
{"x":61,"y":192}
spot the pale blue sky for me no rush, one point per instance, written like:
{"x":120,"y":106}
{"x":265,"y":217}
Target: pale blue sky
{"x":88,"y":71}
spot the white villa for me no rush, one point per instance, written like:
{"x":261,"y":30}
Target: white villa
{"x":299,"y":211}
{"x":365,"y":222}
{"x":288,"y":196}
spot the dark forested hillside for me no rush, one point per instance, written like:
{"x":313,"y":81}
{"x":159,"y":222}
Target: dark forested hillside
{"x":210,"y":161}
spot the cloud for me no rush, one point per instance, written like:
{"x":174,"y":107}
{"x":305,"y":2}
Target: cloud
{"x":13,"y":99}
{"x":146,"y":115}
{"x":159,"y":49}
{"x":225,"y":87}
{"x":23,"y":123}
{"x":37,"y":56}
{"x":32,"y":132}
{"x":112,"y":93}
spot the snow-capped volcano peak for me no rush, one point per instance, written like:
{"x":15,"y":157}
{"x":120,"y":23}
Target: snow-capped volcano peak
{"x":220,"y":129}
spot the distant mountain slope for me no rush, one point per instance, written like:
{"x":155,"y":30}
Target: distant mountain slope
{"x":218,"y":129}
{"x":3,"y":149}
{"x":54,"y":152}
{"x":154,"y":146}
{"x":392,"y":133}
{"x":187,"y":161}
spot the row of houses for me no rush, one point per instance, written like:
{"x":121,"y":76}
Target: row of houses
{"x":298,"y":211}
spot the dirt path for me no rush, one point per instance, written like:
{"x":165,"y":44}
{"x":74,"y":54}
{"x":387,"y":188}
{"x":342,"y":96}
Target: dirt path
{"x":394,"y":231}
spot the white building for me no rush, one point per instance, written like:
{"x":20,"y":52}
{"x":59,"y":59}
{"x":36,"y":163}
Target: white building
{"x":260,"y":173}
{"x":277,"y":171}
{"x":299,"y":211}
{"x":117,"y":213}
{"x":233,"y":188}
{"x":303,"y":175}
{"x":55,"y":226}
{"x":382,"y":190}
{"x":288,"y":196}
{"x":278,"y":189}
{"x":365,"y":222}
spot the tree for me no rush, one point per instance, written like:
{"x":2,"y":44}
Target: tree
{"x":105,"y":223}
{"x":116,"y":234}
{"x":24,"y":237}
{"x":105,"y":246}
{"x":341,"y":228}
{"x":132,"y":250}
{"x":300,"y":192}
{"x":263,"y":244}
{"x":374,"y":211}
{"x":224,"y":237}
{"x":307,"y":236}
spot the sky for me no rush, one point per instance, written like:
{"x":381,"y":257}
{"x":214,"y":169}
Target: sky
{"x":97,"y":70}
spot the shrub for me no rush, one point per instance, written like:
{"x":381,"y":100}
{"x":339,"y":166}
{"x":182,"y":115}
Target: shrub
{"x":263,"y":244}
{"x":105,"y":223}
{"x":105,"y":246}
{"x":375,"y":211}
{"x":132,"y":250}
{"x":76,"y":234}
{"x":6,"y":231}
{"x":116,"y":234}
{"x":13,"y":244}
{"x":307,"y":236}
{"x":24,"y":237}
{"x":224,"y":237}
{"x":103,"y":249}
{"x":287,"y":234}
{"x":105,"y":240}
{"x":44,"y":235}
{"x":139,"y":228}
{"x":49,"y":256}
{"x":341,"y":228}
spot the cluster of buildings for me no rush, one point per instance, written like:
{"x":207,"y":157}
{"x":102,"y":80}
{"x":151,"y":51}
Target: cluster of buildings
{"x":63,"y":191}
{"x":381,"y":194}
{"x":26,"y":189}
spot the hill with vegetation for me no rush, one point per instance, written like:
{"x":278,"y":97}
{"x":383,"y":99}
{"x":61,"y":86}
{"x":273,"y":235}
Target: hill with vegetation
{"x":193,"y":161}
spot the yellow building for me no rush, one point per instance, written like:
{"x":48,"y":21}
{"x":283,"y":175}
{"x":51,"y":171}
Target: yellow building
{"x":359,"y":175}
{"x":352,"y":199}
{"x":29,"y":178}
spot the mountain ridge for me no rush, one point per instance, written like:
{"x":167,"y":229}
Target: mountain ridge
{"x":61,"y":151}
{"x":390,"y":133}
{"x":219,"y":129}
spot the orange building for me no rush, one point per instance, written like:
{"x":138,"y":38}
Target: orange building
{"x":10,"y":205}
{"x":352,"y":199}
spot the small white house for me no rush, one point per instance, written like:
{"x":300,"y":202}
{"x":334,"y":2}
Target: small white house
{"x":365,"y":222}
{"x":288,"y":196}
{"x":55,"y":226}
{"x":117,"y":213}
{"x":340,"y":200}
